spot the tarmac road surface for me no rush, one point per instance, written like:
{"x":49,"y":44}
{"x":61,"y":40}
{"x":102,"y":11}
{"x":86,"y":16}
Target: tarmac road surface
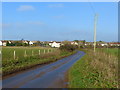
{"x":53,"y":75}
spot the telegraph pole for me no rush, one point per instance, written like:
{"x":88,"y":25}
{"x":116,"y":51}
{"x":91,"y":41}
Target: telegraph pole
{"x":95,"y":26}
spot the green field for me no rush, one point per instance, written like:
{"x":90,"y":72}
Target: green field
{"x":95,"y":70}
{"x":22,"y":52}
{"x":31,"y":58}
{"x":111,"y":51}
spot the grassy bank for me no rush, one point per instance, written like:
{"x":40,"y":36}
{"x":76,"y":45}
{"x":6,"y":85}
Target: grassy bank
{"x":95,"y":70}
{"x":10,"y":65}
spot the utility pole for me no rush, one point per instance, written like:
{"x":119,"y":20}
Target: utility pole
{"x":95,"y":26}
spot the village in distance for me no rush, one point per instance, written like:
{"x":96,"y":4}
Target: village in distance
{"x":57,"y":44}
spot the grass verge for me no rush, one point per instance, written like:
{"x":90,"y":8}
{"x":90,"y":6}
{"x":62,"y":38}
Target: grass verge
{"x":95,"y":70}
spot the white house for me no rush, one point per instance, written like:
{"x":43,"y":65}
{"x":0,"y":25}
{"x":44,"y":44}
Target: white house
{"x":55,"y":44}
{"x":74,"y":43}
{"x":10,"y":42}
{"x":31,"y":43}
{"x":0,"y":43}
{"x":104,"y":44}
{"x":4,"y":43}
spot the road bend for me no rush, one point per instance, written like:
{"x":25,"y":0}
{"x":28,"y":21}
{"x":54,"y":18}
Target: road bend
{"x":53,"y":75}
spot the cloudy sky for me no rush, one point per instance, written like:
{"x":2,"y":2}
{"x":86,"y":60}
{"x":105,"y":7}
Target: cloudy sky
{"x":48,"y":21}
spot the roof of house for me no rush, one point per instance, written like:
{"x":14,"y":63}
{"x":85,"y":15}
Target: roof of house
{"x":4,"y":41}
{"x":114,"y":43}
{"x":54,"y":41}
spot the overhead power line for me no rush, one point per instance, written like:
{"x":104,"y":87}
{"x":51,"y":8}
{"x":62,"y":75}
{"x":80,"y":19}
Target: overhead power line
{"x":92,"y":8}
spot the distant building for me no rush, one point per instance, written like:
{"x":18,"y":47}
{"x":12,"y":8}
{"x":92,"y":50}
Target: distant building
{"x":114,"y":44}
{"x":31,"y":43}
{"x":25,"y":41}
{"x":4,"y":43}
{"x":88,"y":43}
{"x":0,"y":43}
{"x":74,"y":43}
{"x":55,"y":44}
{"x":102,"y":44}
{"x":10,"y":42}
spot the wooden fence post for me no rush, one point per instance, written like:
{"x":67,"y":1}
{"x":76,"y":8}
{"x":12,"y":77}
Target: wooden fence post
{"x":48,"y":50}
{"x":0,"y":55}
{"x":25,"y":54}
{"x":44,"y":51}
{"x":14,"y":54}
{"x":32,"y":52}
{"x":39,"y":52}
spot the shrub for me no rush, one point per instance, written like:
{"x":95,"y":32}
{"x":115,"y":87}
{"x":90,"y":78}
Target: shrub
{"x":68,"y":47}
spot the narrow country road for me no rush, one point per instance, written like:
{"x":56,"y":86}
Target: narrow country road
{"x":53,"y":75}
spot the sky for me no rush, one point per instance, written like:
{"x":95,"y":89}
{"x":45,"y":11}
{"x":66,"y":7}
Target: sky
{"x":58,"y":21}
